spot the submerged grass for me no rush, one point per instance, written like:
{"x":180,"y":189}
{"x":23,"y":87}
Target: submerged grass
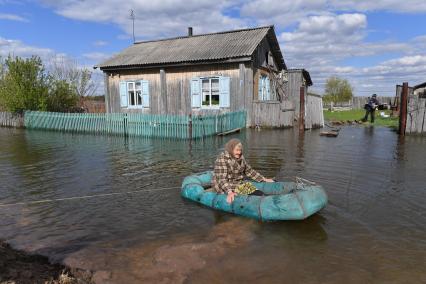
{"x":358,"y":114}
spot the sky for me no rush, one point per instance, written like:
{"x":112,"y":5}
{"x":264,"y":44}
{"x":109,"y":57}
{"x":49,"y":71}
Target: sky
{"x":373,"y":44}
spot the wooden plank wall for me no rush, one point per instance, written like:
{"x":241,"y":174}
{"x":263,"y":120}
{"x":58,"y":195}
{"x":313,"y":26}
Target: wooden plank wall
{"x":314,"y":116}
{"x":295,"y":81}
{"x":170,"y":88}
{"x":273,"y":114}
{"x":8,"y":119}
{"x":416,"y":115}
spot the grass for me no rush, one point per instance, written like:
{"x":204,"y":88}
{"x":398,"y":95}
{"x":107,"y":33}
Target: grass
{"x":358,"y":114}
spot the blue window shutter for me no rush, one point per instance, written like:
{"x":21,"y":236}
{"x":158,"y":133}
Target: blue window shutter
{"x":224,"y":91}
{"x":260,"y":88}
{"x":268,"y":89}
{"x":123,"y":94}
{"x":196,"y":92}
{"x":145,"y":93}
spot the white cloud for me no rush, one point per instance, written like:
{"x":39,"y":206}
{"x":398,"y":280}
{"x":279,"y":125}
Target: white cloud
{"x":18,"y":48}
{"x":97,"y":57}
{"x":153,"y":18}
{"x":12,"y":17}
{"x":100,"y":43}
{"x":398,"y":6}
{"x":319,"y":34}
{"x":288,"y":12}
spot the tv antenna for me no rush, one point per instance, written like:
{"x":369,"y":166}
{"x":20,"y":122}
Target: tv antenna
{"x":132,"y":16}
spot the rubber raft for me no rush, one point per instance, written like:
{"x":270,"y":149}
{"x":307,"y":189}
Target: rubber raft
{"x":283,"y":200}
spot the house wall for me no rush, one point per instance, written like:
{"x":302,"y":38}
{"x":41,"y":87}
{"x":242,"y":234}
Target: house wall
{"x":170,"y":91}
{"x":261,"y":54}
{"x":272,"y":113}
{"x":420,"y":91}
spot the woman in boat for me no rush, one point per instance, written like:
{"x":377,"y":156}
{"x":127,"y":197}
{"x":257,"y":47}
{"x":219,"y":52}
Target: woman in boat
{"x":231,"y":169}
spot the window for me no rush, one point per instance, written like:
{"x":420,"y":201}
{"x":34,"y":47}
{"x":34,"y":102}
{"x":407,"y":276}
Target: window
{"x":264,"y":88}
{"x":134,"y":94}
{"x":210,"y":92}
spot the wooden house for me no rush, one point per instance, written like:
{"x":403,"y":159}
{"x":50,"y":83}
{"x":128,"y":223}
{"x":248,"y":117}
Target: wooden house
{"x":199,"y":74}
{"x":420,"y":90}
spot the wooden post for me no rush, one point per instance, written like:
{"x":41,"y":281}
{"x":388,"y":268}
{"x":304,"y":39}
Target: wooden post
{"x":190,"y":127}
{"x":164,"y":108}
{"x":302,"y":110}
{"x":403,"y":109}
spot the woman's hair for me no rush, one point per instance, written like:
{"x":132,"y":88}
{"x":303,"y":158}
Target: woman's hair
{"x":231,"y":144}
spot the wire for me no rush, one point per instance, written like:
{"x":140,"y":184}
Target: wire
{"x":84,"y":197}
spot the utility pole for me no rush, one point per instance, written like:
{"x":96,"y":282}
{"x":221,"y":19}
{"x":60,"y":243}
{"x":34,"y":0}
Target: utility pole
{"x":132,"y":16}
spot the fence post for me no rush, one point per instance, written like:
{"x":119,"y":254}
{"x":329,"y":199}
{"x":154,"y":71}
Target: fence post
{"x":403,"y":109}
{"x":190,"y":127}
{"x":302,"y":110}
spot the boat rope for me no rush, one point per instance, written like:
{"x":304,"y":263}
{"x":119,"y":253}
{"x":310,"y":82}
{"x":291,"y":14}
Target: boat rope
{"x":85,"y":196}
{"x":301,"y":182}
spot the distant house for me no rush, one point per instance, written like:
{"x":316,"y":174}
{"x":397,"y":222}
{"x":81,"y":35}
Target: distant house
{"x":420,"y":90}
{"x":206,"y":73}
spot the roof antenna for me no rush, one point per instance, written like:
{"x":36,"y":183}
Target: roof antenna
{"x":132,"y":16}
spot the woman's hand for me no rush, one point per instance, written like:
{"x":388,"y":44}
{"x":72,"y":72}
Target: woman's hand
{"x":230,"y":197}
{"x":268,"y":180}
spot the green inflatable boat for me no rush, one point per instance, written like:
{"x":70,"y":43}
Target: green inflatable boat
{"x":284,"y":200}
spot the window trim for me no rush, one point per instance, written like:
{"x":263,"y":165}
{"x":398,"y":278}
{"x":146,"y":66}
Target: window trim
{"x":129,"y":106}
{"x":210,"y":106}
{"x":272,"y":94}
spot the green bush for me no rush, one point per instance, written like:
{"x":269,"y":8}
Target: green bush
{"x":23,"y":84}
{"x":62,"y":97}
{"x":337,"y":90}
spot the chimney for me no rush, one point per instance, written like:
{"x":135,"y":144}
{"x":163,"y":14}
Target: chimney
{"x":189,"y":31}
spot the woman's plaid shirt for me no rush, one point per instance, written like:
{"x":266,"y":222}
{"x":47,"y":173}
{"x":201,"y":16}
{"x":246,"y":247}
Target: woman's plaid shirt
{"x":229,"y":173}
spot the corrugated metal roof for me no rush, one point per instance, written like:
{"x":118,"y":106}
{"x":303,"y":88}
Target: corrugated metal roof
{"x":205,"y":47}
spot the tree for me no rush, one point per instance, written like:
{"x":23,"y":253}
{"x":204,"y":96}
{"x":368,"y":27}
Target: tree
{"x":79,"y":78}
{"x":61,"y":97}
{"x":23,"y":84}
{"x":337,"y":90}
{"x":26,"y":85}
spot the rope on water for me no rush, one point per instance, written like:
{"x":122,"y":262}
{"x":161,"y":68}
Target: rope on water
{"x":301,"y":182}
{"x":84,"y":197}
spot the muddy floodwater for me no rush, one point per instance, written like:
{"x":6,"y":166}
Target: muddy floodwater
{"x":373,"y":229}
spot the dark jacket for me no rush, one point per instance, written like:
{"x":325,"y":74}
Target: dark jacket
{"x":372,"y":104}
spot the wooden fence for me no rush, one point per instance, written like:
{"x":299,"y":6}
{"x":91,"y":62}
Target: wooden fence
{"x":358,"y":103}
{"x":8,"y":119}
{"x":207,"y":125}
{"x":416,"y":115}
{"x":134,"y":124}
{"x":314,"y":116}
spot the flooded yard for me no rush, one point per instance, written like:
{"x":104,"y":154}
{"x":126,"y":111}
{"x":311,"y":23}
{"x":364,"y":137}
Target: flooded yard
{"x":372,"y":230}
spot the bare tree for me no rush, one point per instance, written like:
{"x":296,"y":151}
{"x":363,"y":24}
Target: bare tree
{"x":80,"y":78}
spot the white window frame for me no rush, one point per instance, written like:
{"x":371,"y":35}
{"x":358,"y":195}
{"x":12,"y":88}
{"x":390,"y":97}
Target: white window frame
{"x":135,"y":96}
{"x":210,"y":106}
{"x":262,"y":95}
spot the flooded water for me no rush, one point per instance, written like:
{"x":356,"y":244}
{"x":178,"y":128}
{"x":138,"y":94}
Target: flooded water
{"x":372,"y":231}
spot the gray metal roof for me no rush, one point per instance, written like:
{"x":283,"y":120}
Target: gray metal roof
{"x":196,"y":48}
